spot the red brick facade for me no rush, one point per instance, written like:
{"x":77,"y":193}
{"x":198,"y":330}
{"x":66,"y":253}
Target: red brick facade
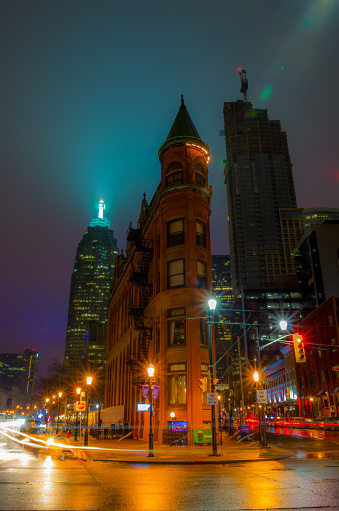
{"x":167,"y":276}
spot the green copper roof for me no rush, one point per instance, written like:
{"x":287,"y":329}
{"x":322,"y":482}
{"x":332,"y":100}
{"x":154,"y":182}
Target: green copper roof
{"x":182,"y":131}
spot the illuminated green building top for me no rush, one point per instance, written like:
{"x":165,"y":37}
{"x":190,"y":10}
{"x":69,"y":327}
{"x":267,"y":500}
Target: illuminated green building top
{"x":90,"y":284}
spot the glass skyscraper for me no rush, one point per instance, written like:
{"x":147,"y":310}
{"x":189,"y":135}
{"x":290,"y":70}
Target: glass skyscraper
{"x":264,"y":222}
{"x":19,"y":370}
{"x":261,"y":196}
{"x":90,"y":286}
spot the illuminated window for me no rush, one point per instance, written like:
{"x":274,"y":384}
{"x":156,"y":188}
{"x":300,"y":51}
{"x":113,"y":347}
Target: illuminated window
{"x":176,"y":384}
{"x":175,"y":233}
{"x":176,"y":273}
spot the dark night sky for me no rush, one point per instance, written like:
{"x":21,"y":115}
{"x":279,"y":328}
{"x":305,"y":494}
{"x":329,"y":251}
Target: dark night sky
{"x":89,"y":91}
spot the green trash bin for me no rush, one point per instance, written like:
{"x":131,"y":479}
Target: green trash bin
{"x":202,"y":436}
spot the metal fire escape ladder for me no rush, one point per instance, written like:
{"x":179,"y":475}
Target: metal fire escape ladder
{"x":142,"y":324}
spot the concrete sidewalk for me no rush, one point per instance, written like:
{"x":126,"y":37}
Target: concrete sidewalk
{"x":136,"y":451}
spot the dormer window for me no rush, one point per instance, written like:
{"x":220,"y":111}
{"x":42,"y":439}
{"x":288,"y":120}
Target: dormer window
{"x":174,"y":174}
{"x":200,"y":179}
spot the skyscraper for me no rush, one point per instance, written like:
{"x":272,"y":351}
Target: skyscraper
{"x":264,"y":221}
{"x":260,"y":191}
{"x":224,"y":314}
{"x":19,"y":370}
{"x":90,"y":285}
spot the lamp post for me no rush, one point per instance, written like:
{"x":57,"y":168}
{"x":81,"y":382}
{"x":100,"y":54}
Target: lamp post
{"x":89,"y":381}
{"x":219,"y":418}
{"x":212,"y":303}
{"x":46,"y":412}
{"x":150,"y":371}
{"x":76,"y":417}
{"x":59,"y":396}
{"x":262,"y":425}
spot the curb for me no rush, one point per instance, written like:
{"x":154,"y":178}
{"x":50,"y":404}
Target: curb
{"x":206,"y":461}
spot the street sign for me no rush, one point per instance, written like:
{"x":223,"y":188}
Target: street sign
{"x":80,"y":406}
{"x":261,"y":396}
{"x":335,"y":368}
{"x":143,"y":407}
{"x":212,"y":398}
{"x":222,"y":386}
{"x":216,"y":381}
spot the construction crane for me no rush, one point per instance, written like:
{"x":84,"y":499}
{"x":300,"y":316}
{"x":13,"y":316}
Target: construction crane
{"x":244,"y":83}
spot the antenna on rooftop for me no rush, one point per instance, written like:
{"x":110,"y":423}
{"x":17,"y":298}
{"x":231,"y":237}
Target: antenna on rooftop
{"x":244,"y":83}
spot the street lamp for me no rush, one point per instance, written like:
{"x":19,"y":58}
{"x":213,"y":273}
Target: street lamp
{"x":150,"y":371}
{"x":76,"y":417}
{"x":212,"y":303}
{"x":283,"y":325}
{"x":262,"y":425}
{"x":59,"y":396}
{"x":219,"y":418}
{"x":89,"y":382}
{"x":311,"y":400}
{"x":46,"y":412}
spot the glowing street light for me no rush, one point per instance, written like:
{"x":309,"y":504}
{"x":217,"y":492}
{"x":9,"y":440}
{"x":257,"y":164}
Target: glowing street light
{"x":283,"y":325}
{"x":150,"y":371}
{"x":76,"y":417}
{"x":46,"y":411}
{"x":212,"y":303}
{"x":262,"y":425}
{"x":89,"y":382}
{"x":59,"y":396}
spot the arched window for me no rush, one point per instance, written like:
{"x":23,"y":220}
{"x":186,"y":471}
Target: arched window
{"x":174,"y":174}
{"x":175,"y":165}
{"x":200,"y":168}
{"x":200,"y":173}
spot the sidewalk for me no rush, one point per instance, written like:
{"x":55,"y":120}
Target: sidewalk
{"x":136,"y":451}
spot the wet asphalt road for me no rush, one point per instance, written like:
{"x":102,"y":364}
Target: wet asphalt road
{"x":308,"y":480}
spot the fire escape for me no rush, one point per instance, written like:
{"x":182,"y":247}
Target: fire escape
{"x":136,"y":311}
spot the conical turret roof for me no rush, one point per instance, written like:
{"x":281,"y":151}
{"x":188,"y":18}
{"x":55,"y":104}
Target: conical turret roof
{"x":182,"y":131}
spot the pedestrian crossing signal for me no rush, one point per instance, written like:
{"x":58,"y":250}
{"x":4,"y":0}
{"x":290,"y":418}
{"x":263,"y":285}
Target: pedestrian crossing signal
{"x":299,"y":348}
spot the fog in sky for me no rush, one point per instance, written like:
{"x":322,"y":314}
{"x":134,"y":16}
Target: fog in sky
{"x":89,"y":91}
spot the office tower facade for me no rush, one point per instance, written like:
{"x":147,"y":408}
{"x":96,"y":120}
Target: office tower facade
{"x":90,"y":286}
{"x":264,"y":221}
{"x":19,"y":370}
{"x":317,"y":264}
{"x":158,"y":308}
{"x":261,"y":196}
{"x":224,"y":314}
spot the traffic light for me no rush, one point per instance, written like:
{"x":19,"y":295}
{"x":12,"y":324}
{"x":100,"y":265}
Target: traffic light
{"x":203,"y":384}
{"x":299,"y":348}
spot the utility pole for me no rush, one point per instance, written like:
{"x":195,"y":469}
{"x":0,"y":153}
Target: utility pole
{"x":240,"y":374}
